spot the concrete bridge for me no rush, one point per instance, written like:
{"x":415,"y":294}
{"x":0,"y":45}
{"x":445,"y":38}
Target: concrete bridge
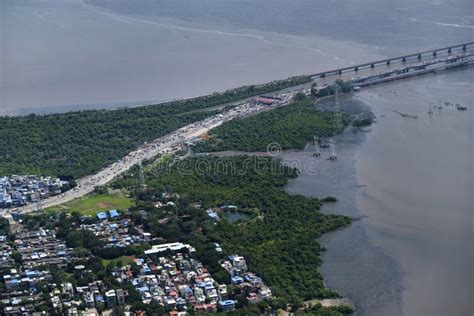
{"x":431,"y":66}
{"x":419,"y":56}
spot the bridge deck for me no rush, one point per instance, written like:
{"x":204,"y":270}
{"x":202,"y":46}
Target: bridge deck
{"x":384,"y":61}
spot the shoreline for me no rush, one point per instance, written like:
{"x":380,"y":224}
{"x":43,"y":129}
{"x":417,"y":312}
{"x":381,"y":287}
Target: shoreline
{"x":306,"y":83}
{"x":112,"y":106}
{"x":342,"y":261}
{"x":328,"y":208}
{"x":175,"y":85}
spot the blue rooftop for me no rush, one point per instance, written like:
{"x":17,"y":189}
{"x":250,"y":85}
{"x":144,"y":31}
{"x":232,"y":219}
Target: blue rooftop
{"x":102,"y":215}
{"x":249,"y":277}
{"x":237,"y":280}
{"x":114,"y":214}
{"x":32,"y":273}
{"x":226,"y":303}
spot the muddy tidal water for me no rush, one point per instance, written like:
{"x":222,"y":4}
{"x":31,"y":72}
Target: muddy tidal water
{"x":409,"y":183}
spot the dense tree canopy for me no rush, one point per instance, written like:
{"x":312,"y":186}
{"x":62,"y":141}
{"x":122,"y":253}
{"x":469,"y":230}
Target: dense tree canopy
{"x":4,"y":227}
{"x":292,"y":127}
{"x":281,"y":243}
{"x":80,"y":143}
{"x":279,"y":240}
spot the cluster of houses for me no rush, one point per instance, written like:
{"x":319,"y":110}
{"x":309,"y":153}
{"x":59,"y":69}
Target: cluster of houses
{"x":20,"y":190}
{"x":24,"y":292}
{"x":6,"y":253}
{"x":21,"y":294}
{"x":246,"y":280}
{"x":20,"y":291}
{"x":91,"y":298}
{"x":21,"y":288}
{"x":177,"y":281}
{"x":42,"y":247}
{"x":22,"y":283}
{"x":114,"y":230}
{"x":171,"y":276}
{"x":168,"y":274}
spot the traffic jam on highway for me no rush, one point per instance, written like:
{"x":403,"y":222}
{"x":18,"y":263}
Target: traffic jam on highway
{"x":168,"y":144}
{"x":190,"y":133}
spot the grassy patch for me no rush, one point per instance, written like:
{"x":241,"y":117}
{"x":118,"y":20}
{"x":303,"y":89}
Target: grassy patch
{"x":91,"y":204}
{"x":124,"y":260}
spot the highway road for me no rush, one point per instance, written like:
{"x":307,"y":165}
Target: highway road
{"x":166,"y":144}
{"x":178,"y":138}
